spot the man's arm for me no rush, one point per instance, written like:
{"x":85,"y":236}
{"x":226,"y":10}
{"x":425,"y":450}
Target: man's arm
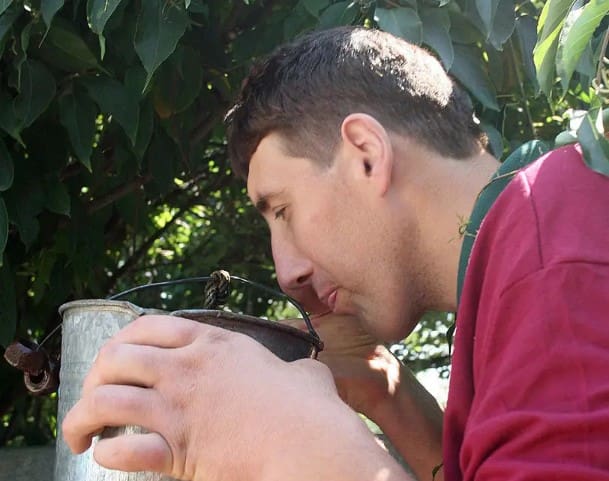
{"x":373,"y":382}
{"x":412,"y":419}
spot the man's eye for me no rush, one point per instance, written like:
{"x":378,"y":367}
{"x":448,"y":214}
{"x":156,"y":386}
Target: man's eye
{"x":280,"y":213}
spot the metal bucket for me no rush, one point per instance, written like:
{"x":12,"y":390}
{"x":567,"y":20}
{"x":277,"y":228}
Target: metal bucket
{"x":88,"y":324}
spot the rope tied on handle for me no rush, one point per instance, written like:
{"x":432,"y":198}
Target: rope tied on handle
{"x":217,"y":290}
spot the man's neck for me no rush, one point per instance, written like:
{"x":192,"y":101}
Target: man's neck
{"x":445,"y":191}
{"x":461,"y":191}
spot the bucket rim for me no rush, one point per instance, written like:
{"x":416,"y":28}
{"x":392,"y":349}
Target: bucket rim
{"x":307,"y":336}
{"x":105,"y":303}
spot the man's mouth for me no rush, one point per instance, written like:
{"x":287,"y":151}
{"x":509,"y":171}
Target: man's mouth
{"x":331,"y":300}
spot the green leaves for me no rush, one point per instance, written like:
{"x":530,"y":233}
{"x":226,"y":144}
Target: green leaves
{"x":314,"y":7}
{"x":548,"y":29}
{"x":402,"y":22}
{"x":178,"y":82}
{"x":64,"y":48}
{"x":4,"y":4}
{"x":7,"y":168}
{"x":579,"y":25}
{"x":566,"y":34}
{"x":470,"y":72}
{"x":487,"y":9}
{"x":113,"y":98}
{"x":162,"y":162}
{"x":339,"y":13}
{"x":36,"y":90}
{"x":57,"y":197}
{"x":160,"y":26}
{"x":7,"y":18}
{"x":525,"y":33}
{"x":24,"y":202}
{"x":594,"y":144}
{"x":8,"y":300}
{"x":3,"y":228}
{"x":77,"y":114}
{"x":48,"y":9}
{"x":463,"y":40}
{"x":494,"y":18}
{"x":436,"y":34}
{"x":99,"y":12}
{"x":503,"y":24}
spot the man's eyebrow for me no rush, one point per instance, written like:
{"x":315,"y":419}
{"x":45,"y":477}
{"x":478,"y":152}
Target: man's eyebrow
{"x":262,"y":204}
{"x":263,"y":201}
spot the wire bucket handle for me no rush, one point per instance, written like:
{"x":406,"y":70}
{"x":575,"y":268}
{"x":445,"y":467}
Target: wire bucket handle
{"x":210,"y":280}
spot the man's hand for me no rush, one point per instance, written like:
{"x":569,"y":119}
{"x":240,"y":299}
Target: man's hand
{"x":187,"y":383}
{"x":365,"y":372}
{"x":217,"y":405}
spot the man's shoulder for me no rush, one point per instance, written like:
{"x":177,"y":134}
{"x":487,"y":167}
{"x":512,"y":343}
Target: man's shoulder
{"x":553,"y":210}
{"x":568,"y":201}
{"x":558,"y":171}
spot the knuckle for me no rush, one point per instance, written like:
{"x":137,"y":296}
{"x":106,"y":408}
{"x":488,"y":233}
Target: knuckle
{"x":215,"y":340}
{"x":220,"y":336}
{"x":98,"y":400}
{"x":107,"y":352}
{"x":135,"y":326}
{"x":186,"y":330}
{"x":139,"y":323}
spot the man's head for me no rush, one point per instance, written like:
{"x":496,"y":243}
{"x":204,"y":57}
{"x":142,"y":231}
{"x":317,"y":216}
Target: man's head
{"x":349,"y":140}
{"x":305,"y":89}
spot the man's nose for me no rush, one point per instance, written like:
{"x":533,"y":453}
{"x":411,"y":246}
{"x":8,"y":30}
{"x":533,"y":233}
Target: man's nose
{"x":294,"y":270}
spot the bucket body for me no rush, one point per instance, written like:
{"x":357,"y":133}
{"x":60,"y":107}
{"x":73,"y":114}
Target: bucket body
{"x":87,"y":325}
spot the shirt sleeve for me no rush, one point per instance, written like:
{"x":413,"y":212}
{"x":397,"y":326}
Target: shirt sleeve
{"x":541,"y":404}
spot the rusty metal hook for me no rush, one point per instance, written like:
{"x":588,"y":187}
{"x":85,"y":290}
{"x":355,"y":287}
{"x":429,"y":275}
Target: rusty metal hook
{"x":40,"y":371}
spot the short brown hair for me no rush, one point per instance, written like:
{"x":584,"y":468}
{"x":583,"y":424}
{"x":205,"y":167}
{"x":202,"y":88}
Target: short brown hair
{"x":305,"y":89}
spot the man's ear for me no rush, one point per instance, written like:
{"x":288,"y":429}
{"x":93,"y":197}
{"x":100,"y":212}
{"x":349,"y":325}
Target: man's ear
{"x":368,"y":150}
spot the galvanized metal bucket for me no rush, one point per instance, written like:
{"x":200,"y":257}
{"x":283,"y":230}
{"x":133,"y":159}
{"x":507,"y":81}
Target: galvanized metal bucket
{"x":88,"y":324}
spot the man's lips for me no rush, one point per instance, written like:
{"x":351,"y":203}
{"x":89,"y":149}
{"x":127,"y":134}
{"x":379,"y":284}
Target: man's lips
{"x":331,"y":300}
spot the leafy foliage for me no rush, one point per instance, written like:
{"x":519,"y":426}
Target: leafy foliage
{"x":572,"y":43}
{"x":113,"y":169}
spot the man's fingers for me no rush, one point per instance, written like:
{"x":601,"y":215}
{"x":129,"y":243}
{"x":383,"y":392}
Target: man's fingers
{"x":135,"y":452}
{"x":160,"y":331}
{"x":110,"y":405}
{"x":119,"y":363}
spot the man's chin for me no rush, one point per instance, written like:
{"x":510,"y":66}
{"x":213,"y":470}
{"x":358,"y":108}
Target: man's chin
{"x":388,"y":329}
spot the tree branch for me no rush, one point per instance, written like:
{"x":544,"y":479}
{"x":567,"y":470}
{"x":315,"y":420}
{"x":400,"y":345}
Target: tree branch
{"x":142,"y":250}
{"x":205,"y":126}
{"x":523,"y":98}
{"x":118,"y":193}
{"x":601,"y":64}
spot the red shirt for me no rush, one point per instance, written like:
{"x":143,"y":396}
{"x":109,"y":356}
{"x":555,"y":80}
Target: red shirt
{"x":529,"y":388}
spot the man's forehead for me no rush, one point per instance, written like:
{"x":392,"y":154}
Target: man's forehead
{"x":273,"y":168}
{"x":263,"y":176}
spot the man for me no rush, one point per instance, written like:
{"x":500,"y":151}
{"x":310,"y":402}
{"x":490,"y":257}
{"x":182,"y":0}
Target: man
{"x":364,"y":158}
